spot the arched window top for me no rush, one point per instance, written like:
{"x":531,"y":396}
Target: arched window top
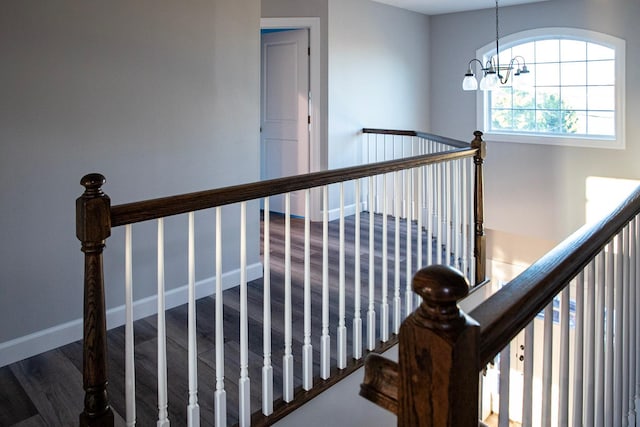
{"x":574,"y":94}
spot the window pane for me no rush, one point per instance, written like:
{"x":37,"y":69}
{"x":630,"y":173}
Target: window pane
{"x":573,"y":50}
{"x":601,"y":98}
{"x":574,"y":98}
{"x":580,"y":124}
{"x":570,"y":121}
{"x":573,"y":73}
{"x":548,"y":121}
{"x":601,"y":73}
{"x":525,"y":50}
{"x":596,"y":52}
{"x":501,"y":119}
{"x":548,"y":98}
{"x":601,"y":124}
{"x":524,"y":120}
{"x":501,"y":98}
{"x":547,"y":74}
{"x":547,"y":51}
{"x":523,"y":100}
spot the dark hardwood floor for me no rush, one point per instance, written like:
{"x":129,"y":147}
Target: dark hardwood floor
{"x":46,"y":390}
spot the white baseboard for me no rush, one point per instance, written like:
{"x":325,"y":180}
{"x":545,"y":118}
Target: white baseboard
{"x":47,"y":339}
{"x":348,"y":210}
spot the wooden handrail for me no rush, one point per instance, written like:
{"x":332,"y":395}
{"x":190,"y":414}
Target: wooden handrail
{"x":436,"y":138}
{"x":510,"y":309}
{"x":166,"y":206}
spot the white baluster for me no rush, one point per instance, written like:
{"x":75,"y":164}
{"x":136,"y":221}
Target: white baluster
{"x":307,"y":348}
{"x":465,"y":221}
{"x":589,"y":348}
{"x":547,"y":365}
{"x":617,"y":334}
{"x":440,"y":216}
{"x":609,"y":320}
{"x":384,"y":305}
{"x":408,"y":256}
{"x":325,"y":340}
{"x":633,"y":344}
{"x":455,"y":216}
{"x":429,"y":186}
{"x":130,"y":366}
{"x":267,"y":368}
{"x":527,"y":380}
{"x":371,"y":311}
{"x":244,"y":394}
{"x":578,"y":364}
{"x":446,"y":225}
{"x":397,"y":316}
{"x":636,"y":302}
{"x":625,"y":326}
{"x":287,"y":358}
{"x":342,"y":328}
{"x":600,"y":343}
{"x":357,"y":321}
{"x":563,"y":381}
{"x":193,"y":409}
{"x":505,"y":369}
{"x":419,"y":212}
{"x":163,"y":414}
{"x":220,"y":395}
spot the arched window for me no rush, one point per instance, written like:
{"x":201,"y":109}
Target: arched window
{"x":573,"y":96}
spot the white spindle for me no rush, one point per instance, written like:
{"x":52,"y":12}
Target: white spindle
{"x":503,"y":390}
{"x":357,"y":321}
{"x":578,"y":364}
{"x":409,"y":255}
{"x":396,"y":270}
{"x":325,"y":340}
{"x":384,"y":305}
{"x":287,"y":358}
{"x":625,"y":326}
{"x":130,"y":366}
{"x":307,"y":348}
{"x":527,"y":373}
{"x":589,"y":347}
{"x":419,"y":212}
{"x":455,"y":217}
{"x":448,"y":246}
{"x":371,"y":311}
{"x":342,"y":328}
{"x":464,"y":197}
{"x":220,"y":395}
{"x":617,"y":334}
{"x":244,"y":394}
{"x":193,"y":409}
{"x":609,"y":320}
{"x":429,"y":186}
{"x":600,"y":346}
{"x":439,"y":195}
{"x":563,"y":380}
{"x":547,"y":363}
{"x":267,"y":368}
{"x":163,"y":414}
{"x":636,"y":335}
{"x":633,"y":343}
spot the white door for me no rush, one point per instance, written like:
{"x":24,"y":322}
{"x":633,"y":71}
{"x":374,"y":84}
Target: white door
{"x":284,"y":134}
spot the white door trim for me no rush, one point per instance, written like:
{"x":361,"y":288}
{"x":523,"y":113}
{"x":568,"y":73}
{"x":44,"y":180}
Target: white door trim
{"x":313,"y":24}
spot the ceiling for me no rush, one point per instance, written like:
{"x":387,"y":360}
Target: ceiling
{"x":437,"y":7}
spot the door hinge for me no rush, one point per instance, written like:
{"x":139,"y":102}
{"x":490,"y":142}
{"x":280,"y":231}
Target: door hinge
{"x":309,"y":50}
{"x":308,"y":119}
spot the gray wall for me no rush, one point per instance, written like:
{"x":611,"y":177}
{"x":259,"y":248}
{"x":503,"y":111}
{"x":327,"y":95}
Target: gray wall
{"x":533,"y":190}
{"x":161,"y":96}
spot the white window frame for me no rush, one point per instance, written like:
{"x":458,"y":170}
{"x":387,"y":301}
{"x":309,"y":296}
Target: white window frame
{"x":619,"y":45}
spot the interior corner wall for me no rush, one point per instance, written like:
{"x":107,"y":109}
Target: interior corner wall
{"x":533,"y":190}
{"x":378,"y":74}
{"x":160,"y":96}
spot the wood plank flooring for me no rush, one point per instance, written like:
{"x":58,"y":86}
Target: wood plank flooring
{"x":46,"y":390}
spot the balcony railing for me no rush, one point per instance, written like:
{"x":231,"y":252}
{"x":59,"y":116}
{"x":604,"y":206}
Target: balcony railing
{"x":390,"y":217}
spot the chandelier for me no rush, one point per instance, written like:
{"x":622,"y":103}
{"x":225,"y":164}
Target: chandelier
{"x":493,"y":73}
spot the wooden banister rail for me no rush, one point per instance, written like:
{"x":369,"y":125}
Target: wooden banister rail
{"x":435,"y":340}
{"x":436,"y":138}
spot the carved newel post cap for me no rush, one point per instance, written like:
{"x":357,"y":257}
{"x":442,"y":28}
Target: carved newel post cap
{"x":93,"y":181}
{"x":440,"y":287}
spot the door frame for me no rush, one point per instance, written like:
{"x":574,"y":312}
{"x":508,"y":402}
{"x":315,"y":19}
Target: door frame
{"x":313,"y":25}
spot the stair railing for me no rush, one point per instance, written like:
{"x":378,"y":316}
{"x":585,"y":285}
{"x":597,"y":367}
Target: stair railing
{"x":96,"y":219}
{"x":443,"y":351}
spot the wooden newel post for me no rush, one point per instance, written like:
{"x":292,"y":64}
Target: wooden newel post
{"x":438,"y":355}
{"x":479,"y":251}
{"x":93,"y":226}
